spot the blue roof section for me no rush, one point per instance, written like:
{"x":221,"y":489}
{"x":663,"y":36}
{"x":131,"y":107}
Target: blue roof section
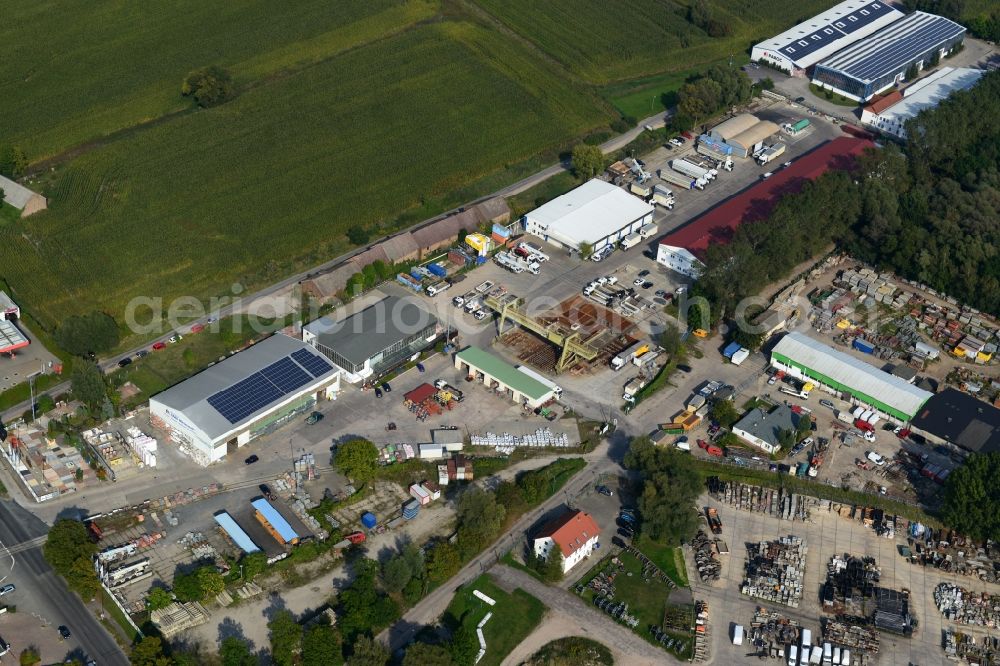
{"x":893,"y":47}
{"x":829,"y":33}
{"x":731,"y":349}
{"x":236,"y":533}
{"x":276,"y":520}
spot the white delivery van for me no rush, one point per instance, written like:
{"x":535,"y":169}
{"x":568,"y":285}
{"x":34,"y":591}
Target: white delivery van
{"x":793,"y":655}
{"x":737,"y":632}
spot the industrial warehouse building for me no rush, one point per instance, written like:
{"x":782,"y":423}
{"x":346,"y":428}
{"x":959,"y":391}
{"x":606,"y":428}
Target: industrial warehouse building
{"x":809,"y":42}
{"x":596,"y":213}
{"x":375,"y":340}
{"x":681,"y":249}
{"x":890,"y":115}
{"x":960,"y":419}
{"x":743,"y":134}
{"x":503,"y":377}
{"x":893,"y":398}
{"x":880,"y":61}
{"x":11,"y":337}
{"x":247,"y":395}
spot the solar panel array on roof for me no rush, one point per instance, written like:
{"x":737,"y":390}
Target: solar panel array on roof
{"x":859,"y":18}
{"x":262,"y":388}
{"x":893,"y":47}
{"x":316,"y":365}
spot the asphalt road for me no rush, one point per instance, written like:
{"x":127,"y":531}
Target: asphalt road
{"x":41,"y":591}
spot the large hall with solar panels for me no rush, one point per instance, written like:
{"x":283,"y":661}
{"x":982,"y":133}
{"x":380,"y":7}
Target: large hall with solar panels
{"x":249,"y":394}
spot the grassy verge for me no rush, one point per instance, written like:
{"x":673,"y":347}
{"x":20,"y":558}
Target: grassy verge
{"x":669,"y":559}
{"x":834,"y":98}
{"x":644,"y":97}
{"x":768,"y":479}
{"x":512,"y":562}
{"x":514,"y":617}
{"x":8,"y":214}
{"x":111,"y":609}
{"x":549,"y":189}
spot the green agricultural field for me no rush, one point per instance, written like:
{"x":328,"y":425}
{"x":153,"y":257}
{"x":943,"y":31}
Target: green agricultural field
{"x":75,"y":70}
{"x":604,"y":41}
{"x":514,"y":616}
{"x":252,"y":190}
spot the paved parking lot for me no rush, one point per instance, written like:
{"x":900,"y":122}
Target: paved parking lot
{"x":825,"y":534}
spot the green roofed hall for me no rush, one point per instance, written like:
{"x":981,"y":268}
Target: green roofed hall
{"x":495,"y":370}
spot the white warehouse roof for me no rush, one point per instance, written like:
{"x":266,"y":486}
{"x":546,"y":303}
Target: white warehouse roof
{"x":589,"y":213}
{"x":852,"y":373}
{"x":930,"y":91}
{"x":824,"y":34}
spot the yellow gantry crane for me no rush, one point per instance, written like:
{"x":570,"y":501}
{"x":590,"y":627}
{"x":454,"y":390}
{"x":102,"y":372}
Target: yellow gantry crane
{"x":572,"y":348}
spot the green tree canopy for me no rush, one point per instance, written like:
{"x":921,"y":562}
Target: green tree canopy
{"x":724,"y":413}
{"x":443,"y":562}
{"x":586,"y":250}
{"x":358,"y":235}
{"x":286,"y":637}
{"x":208,"y":86}
{"x":670,"y":486}
{"x":670,"y":340}
{"x":424,"y":654}
{"x":13,"y":162}
{"x":971,"y":497}
{"x":357,"y":460}
{"x":30,"y":656}
{"x":321,"y":646}
{"x":479,"y":519}
{"x":367,"y":652}
{"x":95,"y":332}
{"x":234,"y":651}
{"x":588,"y":161}
{"x":69,"y":550}
{"x":552,"y":568}
{"x":396,"y":573}
{"x":150,"y":652}
{"x":464,"y":645}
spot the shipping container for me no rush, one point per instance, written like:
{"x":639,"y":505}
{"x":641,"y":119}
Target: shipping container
{"x":437,"y":269}
{"x":369,"y":520}
{"x":863,"y":346}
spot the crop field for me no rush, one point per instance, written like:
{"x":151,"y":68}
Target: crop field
{"x":74,"y":70}
{"x":255,"y":188}
{"x":602,"y":42}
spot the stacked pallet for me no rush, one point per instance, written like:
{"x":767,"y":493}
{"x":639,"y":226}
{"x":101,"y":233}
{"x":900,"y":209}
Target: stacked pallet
{"x":851,"y":636}
{"x":775,"y":570}
{"x":771,"y":501}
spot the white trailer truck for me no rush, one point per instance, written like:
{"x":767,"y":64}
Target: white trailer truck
{"x":631,"y":241}
{"x":649,"y":230}
{"x":687,"y":182}
{"x":688,"y":169}
{"x":770,"y":153}
{"x":704,"y":163}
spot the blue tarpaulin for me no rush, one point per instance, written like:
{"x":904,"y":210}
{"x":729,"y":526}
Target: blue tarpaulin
{"x":731,"y":349}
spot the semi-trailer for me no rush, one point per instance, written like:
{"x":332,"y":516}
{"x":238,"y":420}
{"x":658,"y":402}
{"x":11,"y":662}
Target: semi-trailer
{"x":680,"y":180}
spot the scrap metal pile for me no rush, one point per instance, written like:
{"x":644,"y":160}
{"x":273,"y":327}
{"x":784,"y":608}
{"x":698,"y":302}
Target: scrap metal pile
{"x":702,"y":634}
{"x":963,"y":606}
{"x":775,"y":570}
{"x":851,"y":633}
{"x":705,"y":557}
{"x":985,"y":650}
{"x":774,"y":502}
{"x":770,"y":632}
{"x":849,"y":581}
{"x":954,"y":553}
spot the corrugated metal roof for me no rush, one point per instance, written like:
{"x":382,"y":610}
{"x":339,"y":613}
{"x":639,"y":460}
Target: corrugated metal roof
{"x":754,"y":134}
{"x":235,"y":532}
{"x":852,"y":372}
{"x":589,"y":213}
{"x":504,"y":372}
{"x":276,"y":520}
{"x":735,"y":125}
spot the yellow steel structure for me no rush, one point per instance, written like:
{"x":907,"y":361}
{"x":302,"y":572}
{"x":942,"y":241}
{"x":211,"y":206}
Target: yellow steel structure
{"x":572,"y":348}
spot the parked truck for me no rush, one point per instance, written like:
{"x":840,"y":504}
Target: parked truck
{"x":680,"y":180}
{"x":442,"y":385}
{"x":662,"y":196}
{"x":640,"y":189}
{"x":649,"y":230}
{"x":714,"y":522}
{"x":644,"y":358}
{"x":632,"y":387}
{"x":624,"y":358}
{"x":688,"y":169}
{"x":844,"y":417}
{"x":770,"y":153}
{"x":630,"y":241}
{"x":437,"y":287}
{"x":703,"y":162}
{"x":484,"y":287}
{"x":508,"y":261}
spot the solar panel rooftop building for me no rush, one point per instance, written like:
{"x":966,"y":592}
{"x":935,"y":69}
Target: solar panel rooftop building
{"x":880,"y":61}
{"x":247,"y":395}
{"x":926,"y":93}
{"x":805,"y":358}
{"x":805,"y":44}
{"x":374,"y":340}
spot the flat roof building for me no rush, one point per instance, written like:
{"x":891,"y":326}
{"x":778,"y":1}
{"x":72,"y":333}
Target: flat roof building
{"x":502,"y":376}
{"x":881,"y":60}
{"x":248,"y":394}
{"x":891,"y":114}
{"x":274,"y":522}
{"x":805,"y":358}
{"x":963,"y":420}
{"x":21,"y":198}
{"x":376,"y":339}
{"x":235,"y":532}
{"x":596,"y":213}
{"x":805,"y":44}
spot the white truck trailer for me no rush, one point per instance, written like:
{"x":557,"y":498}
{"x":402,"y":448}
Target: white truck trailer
{"x":624,"y":358}
{"x":704,"y":163}
{"x":687,"y":182}
{"x":631,"y":241}
{"x":648,"y":230}
{"x":686,"y":168}
{"x":771,"y":153}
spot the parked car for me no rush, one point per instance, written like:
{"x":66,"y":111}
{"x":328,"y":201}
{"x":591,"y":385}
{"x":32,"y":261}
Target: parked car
{"x":124,"y":362}
{"x":266,"y":491}
{"x":604,"y":490}
{"x":7,"y":589}
{"x":386,"y":387}
{"x":827,"y":403}
{"x":142,"y":353}
{"x":378,"y":392}
{"x":64,"y":631}
{"x":636,"y":282}
{"x":799,"y":100}
{"x":647,"y":284}
{"x":876,"y":458}
{"x":175,"y":338}
{"x":643,"y":273}
{"x":315,"y":417}
{"x":159,"y":345}
{"x":480,"y":315}
{"x":684,"y":368}
{"x":626,"y":532}
{"x":615,"y":541}
{"x":251,"y":460}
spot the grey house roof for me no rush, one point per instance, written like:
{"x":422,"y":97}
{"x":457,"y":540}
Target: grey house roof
{"x":364,"y":334}
{"x":15,"y":194}
{"x":766,"y":425}
{"x":190,"y":397}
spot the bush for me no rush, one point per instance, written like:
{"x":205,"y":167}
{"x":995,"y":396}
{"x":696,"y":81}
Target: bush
{"x":208,"y":86}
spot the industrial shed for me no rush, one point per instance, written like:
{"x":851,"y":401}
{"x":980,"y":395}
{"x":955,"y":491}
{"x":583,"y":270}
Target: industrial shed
{"x":236,"y":533}
{"x":880,"y":61}
{"x":891,"y":113}
{"x":248,"y":394}
{"x":957,"y":418}
{"x":739,"y":123}
{"x":749,"y":140}
{"x":808,"y":42}
{"x":805,"y":358}
{"x":498,"y":374}
{"x":596,"y":213}
{"x":21,"y":198}
{"x":680,"y":249}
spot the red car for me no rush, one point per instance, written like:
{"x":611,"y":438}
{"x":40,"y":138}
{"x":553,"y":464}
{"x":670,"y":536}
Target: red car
{"x":159,"y":345}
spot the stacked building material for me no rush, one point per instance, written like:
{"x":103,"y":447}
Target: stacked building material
{"x":774,"y":570}
{"x":774,"y":502}
{"x":852,"y":636}
{"x":963,"y":606}
{"x":705,"y":557}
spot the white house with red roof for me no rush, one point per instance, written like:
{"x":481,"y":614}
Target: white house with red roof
{"x":575,"y":532}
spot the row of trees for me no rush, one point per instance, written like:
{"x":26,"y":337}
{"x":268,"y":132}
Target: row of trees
{"x":701,"y":15}
{"x":702,"y":97}
{"x":671,"y":484}
{"x":971,"y":496}
{"x":13,"y":161}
